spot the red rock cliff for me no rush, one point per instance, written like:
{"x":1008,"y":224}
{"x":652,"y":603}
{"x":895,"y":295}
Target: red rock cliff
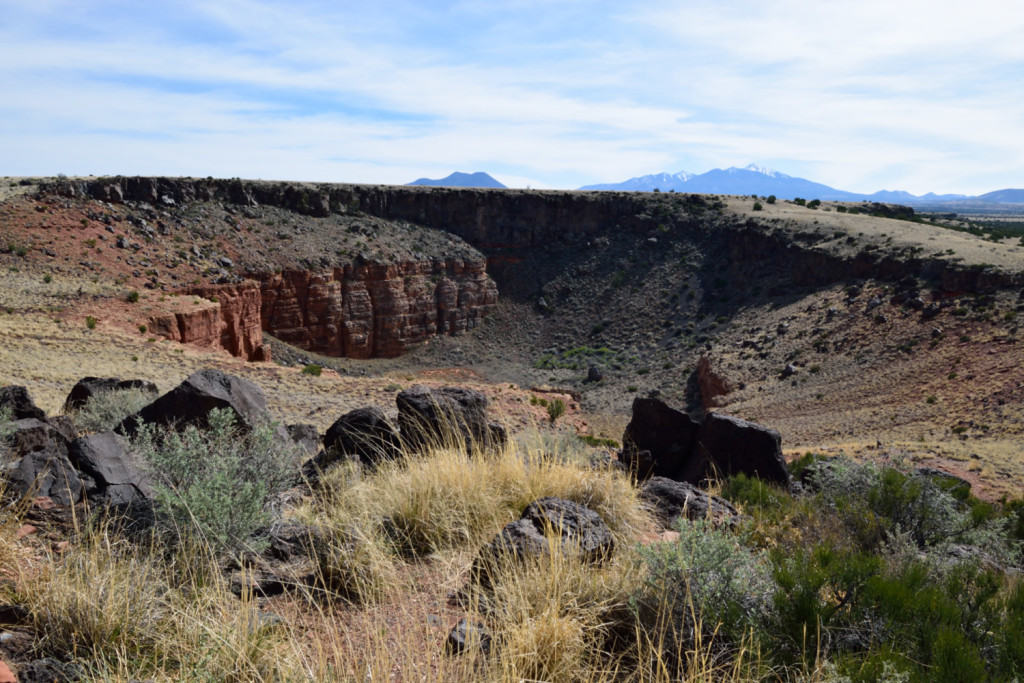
{"x":368,"y":310}
{"x":231,"y":320}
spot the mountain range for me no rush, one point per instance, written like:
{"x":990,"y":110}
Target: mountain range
{"x":754,"y":179}
{"x":762,"y":181}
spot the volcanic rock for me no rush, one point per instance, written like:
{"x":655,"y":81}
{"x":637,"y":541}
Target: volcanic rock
{"x":429,"y":417}
{"x":192,"y":400}
{"x":658,"y":440}
{"x":727,"y":445}
{"x":364,"y":434}
{"x":108,"y":469}
{"x":580,"y":530}
{"x":46,"y":472}
{"x":16,"y":399}
{"x":87,"y":387}
{"x":670,"y":500}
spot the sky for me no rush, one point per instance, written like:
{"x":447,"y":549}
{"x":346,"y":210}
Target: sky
{"x":861,"y":95}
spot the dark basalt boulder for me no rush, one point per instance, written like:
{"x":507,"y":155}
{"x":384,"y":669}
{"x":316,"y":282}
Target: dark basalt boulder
{"x":662,"y":441}
{"x":728,"y":445}
{"x":32,"y":434}
{"x":87,"y":387}
{"x":658,"y":440}
{"x":16,"y":399}
{"x":429,"y":417}
{"x":363,"y":434}
{"x":580,"y":530}
{"x":305,"y":436}
{"x":466,"y":635}
{"x":108,"y":470}
{"x":670,"y":500}
{"x":46,"y":472}
{"x":191,"y":402}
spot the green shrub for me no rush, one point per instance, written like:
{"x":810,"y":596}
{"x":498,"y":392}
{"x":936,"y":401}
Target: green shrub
{"x":6,"y":427}
{"x":758,"y":206}
{"x":106,"y":409}
{"x":771,"y":199}
{"x":47,"y":278}
{"x":598,"y":442}
{"x":90,"y":322}
{"x":312,"y":369}
{"x":132,"y":296}
{"x":556,"y":408}
{"x":707,"y":581}
{"x":878,"y":504}
{"x":751,"y":491}
{"x":817,"y":589}
{"x":216,"y":482}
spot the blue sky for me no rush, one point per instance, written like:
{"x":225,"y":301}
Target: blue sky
{"x":868,"y":95}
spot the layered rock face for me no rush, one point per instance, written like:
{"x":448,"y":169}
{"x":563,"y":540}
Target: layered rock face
{"x":375,"y":310}
{"x":231,"y":322}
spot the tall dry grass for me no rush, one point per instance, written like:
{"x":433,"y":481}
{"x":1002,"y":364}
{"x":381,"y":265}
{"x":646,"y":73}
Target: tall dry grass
{"x":391,"y":536}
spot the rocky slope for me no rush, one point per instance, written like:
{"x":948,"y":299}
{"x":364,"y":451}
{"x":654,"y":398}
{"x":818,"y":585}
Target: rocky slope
{"x":341,"y":284}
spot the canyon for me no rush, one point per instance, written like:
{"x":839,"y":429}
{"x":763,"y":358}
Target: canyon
{"x":364,"y":271}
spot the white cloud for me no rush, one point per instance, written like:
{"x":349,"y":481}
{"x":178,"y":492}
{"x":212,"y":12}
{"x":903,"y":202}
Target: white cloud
{"x":908,"y":95}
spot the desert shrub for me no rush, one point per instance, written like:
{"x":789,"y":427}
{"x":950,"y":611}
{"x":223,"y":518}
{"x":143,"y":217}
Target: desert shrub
{"x":312,"y":369}
{"x":106,"y":409}
{"x":771,"y":199}
{"x":216,"y":482}
{"x":598,"y":442}
{"x":817,"y":587}
{"x":877,"y":504}
{"x":132,"y":296}
{"x":556,"y":408}
{"x":90,"y":322}
{"x":751,"y":491}
{"x":6,"y":428}
{"x":704,"y":586}
{"x":758,"y":206}
{"x":814,"y":204}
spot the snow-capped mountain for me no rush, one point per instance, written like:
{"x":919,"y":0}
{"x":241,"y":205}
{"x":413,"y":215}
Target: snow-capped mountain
{"x":648,"y":183}
{"x":754,"y":179}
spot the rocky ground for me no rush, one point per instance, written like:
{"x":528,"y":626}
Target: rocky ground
{"x":859,"y":365}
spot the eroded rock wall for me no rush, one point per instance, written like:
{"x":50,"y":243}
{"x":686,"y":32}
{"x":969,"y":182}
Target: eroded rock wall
{"x":375,"y":310}
{"x":231,"y":320}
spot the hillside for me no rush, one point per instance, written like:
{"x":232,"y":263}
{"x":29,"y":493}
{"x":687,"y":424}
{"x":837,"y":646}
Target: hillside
{"x":425,"y":508}
{"x":875,"y":315}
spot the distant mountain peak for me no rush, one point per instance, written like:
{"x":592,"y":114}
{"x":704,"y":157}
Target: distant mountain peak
{"x":755,"y":179}
{"x":771,"y":173}
{"x":460,"y":179}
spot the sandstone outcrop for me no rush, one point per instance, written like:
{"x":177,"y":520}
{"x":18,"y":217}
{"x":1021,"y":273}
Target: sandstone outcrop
{"x":231,"y":320}
{"x":712,"y":381}
{"x":374,"y":309}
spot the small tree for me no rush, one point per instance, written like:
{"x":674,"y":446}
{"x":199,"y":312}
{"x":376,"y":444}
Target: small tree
{"x":758,"y":206}
{"x":771,"y":199}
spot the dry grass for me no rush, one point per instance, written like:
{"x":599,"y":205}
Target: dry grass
{"x":122,"y":612}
